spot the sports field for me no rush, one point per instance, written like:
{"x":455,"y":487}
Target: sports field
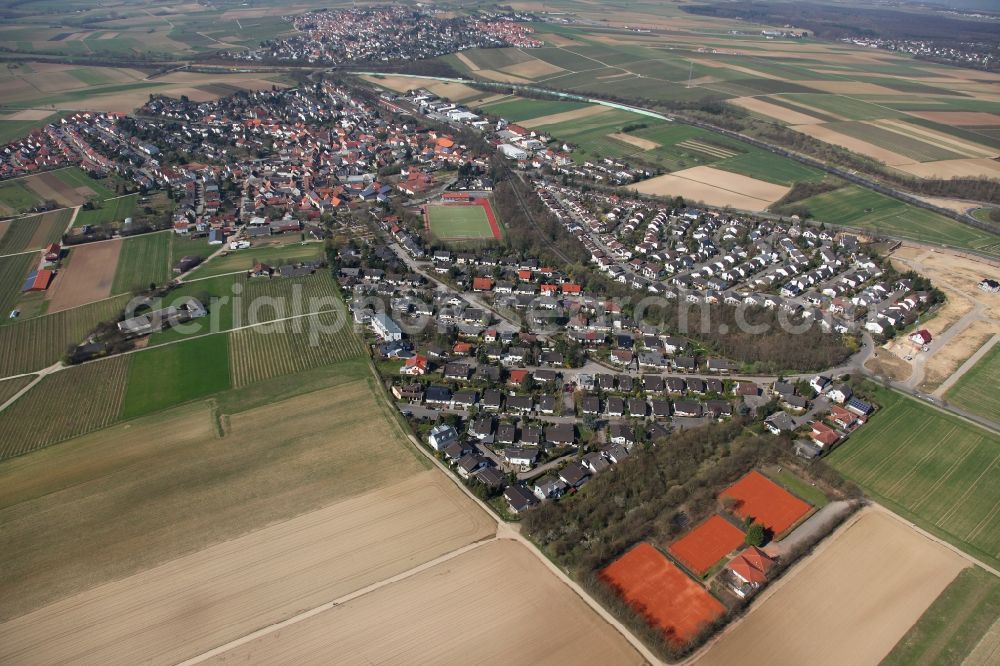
{"x":662,"y":593}
{"x":976,"y":390}
{"x":960,"y":622}
{"x":762,"y":500}
{"x":931,"y":467}
{"x":701,"y":548}
{"x":454,"y":222}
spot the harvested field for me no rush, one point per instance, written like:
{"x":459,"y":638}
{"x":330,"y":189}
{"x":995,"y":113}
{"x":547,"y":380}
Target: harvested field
{"x":494,"y":592}
{"x":714,"y":187}
{"x":701,"y":548}
{"x":87,"y":277}
{"x":265,"y":352}
{"x":972,"y":168}
{"x":532,"y":69}
{"x":960,"y":118}
{"x":870,"y":582}
{"x":824,"y":133}
{"x":662,"y":593}
{"x":638,"y":142}
{"x":88,"y":398}
{"x":779,"y":113}
{"x":565,"y":116}
{"x":765,"y":502}
{"x":230,"y":589}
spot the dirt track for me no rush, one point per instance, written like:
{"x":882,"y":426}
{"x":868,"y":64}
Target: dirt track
{"x":493,"y":604}
{"x":87,"y":276}
{"x":199,"y":601}
{"x":848,"y":604}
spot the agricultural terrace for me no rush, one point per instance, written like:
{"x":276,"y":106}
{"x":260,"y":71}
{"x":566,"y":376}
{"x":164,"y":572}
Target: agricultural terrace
{"x":701,"y":548}
{"x":264,"y":352}
{"x":33,"y":232}
{"x":461,"y":221}
{"x":143,"y":260}
{"x":873,"y":577}
{"x":933,"y":468}
{"x":233,"y":261}
{"x":960,"y":627}
{"x":757,"y":498}
{"x":976,"y":390}
{"x":662,"y":593}
{"x":176,"y":373}
{"x":33,"y":344}
{"x":64,"y":404}
{"x":13,"y":271}
{"x":858,"y":207}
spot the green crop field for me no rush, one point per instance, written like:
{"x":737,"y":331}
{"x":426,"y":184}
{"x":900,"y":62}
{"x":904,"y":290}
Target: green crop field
{"x":845,"y":107}
{"x":35,"y":231}
{"x":243,"y":260}
{"x":13,"y":271}
{"x":33,"y":344}
{"x":516,"y":110}
{"x":266,"y":352}
{"x":169,"y":375}
{"x":11,"y":130}
{"x":910,"y":146}
{"x":952,"y":627}
{"x":112,"y":211}
{"x":773,"y":168}
{"x":15,"y":197}
{"x":930,"y":467}
{"x":181,"y":246}
{"x":976,"y":389}
{"x":451,"y":222}
{"x":103,"y":188}
{"x":62,"y":405}
{"x":143,"y":260}
{"x":496,"y":58}
{"x":858,"y":207}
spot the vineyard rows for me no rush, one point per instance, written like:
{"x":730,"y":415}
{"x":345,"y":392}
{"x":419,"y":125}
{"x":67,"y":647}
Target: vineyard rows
{"x":265,"y":352}
{"x":291,"y":295}
{"x":13,"y":271}
{"x":37,"y":343}
{"x":65,"y":404}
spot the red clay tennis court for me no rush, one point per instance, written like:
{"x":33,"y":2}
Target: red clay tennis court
{"x":766,"y":502}
{"x":662,"y":593}
{"x":706,"y":544}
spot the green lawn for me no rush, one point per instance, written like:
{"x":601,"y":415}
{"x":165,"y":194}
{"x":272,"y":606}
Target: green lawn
{"x":165,"y":376}
{"x":143,"y":260}
{"x":933,"y":468}
{"x":459,"y":222}
{"x":976,"y":390}
{"x":217,"y":294}
{"x":950,"y":629}
{"x":797,"y":486}
{"x":855,"y":206}
{"x":16,"y":198}
{"x":243,"y":260}
{"x":111,"y":211}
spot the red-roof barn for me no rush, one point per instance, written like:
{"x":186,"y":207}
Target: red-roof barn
{"x":38,"y":281}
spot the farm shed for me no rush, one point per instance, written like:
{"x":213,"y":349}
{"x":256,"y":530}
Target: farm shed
{"x":38,"y":280}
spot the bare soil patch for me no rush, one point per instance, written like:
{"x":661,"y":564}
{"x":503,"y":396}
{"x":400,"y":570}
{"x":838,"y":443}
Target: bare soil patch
{"x":557,"y":40}
{"x":205,"y":599}
{"x":957,"y":205}
{"x":888,"y":364}
{"x":500,"y":602}
{"x":737,"y":68}
{"x":565,"y":116}
{"x":495,"y":75}
{"x":961,"y":118}
{"x":953,"y":168}
{"x":824,"y":133}
{"x":869,"y":583}
{"x":402,"y":84}
{"x":48,"y":186}
{"x":87,"y":277}
{"x":533,"y":69}
{"x":638,"y":142}
{"x":947,"y":360}
{"x":779,"y":113}
{"x":714,"y":187}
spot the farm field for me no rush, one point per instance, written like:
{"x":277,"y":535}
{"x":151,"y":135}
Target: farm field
{"x":960,"y":622}
{"x":172,"y":374}
{"x":758,"y":498}
{"x":33,"y":344}
{"x":112,"y":212}
{"x":456,"y":92}
{"x":243,"y":260}
{"x":265,"y":352}
{"x":13,"y":127}
{"x":976,"y":389}
{"x":451,"y":222}
{"x":874,"y":578}
{"x":701,"y":548}
{"x":519,"y":109}
{"x":35,"y":231}
{"x":85,"y":277}
{"x":390,"y":624}
{"x":89,"y":397}
{"x":662,"y":593}
{"x":10,"y":387}
{"x":65,"y":187}
{"x":143,"y":261}
{"x":714,"y":187}
{"x":13,"y":271}
{"x":930,"y":467}
{"x":858,"y":207}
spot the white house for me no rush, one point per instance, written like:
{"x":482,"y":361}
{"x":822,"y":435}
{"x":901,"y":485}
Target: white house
{"x":386,"y":328}
{"x":442,"y":436}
